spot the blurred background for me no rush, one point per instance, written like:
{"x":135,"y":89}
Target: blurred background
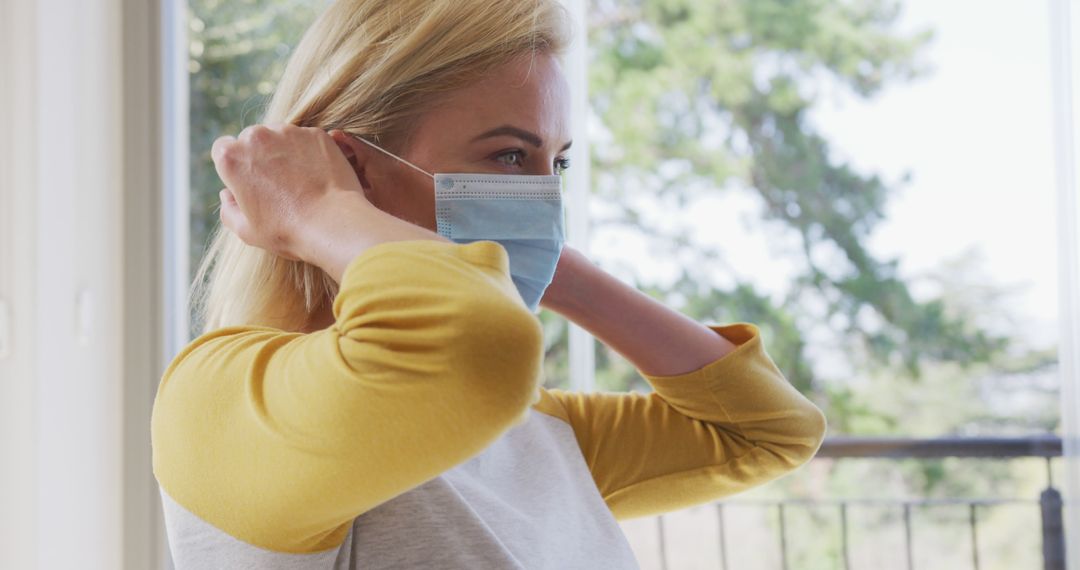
{"x":886,"y":187}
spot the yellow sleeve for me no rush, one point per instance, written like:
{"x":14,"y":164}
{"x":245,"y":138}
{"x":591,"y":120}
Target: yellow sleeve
{"x":281,"y":439}
{"x":700,"y":436}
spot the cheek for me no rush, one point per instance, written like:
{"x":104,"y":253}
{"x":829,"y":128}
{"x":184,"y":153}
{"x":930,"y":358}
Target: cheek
{"x":413,"y":201}
{"x":402,"y":186}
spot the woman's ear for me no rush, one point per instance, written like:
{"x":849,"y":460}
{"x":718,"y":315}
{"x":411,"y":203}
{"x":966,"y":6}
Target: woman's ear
{"x":355,"y":152}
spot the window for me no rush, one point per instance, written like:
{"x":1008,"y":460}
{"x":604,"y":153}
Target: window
{"x":237,"y":51}
{"x":869,"y":182}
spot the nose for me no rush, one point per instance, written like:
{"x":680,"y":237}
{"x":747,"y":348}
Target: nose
{"x":548,"y":169}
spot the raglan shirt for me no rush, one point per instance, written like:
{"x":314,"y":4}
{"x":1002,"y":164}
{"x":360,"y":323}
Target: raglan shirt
{"x":415,"y":432}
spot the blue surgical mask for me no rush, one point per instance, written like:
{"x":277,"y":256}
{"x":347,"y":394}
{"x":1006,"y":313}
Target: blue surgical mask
{"x":523,"y":213}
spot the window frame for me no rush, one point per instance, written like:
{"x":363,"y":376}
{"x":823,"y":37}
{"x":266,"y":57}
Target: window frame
{"x":581,"y":345}
{"x":1065,"y":55}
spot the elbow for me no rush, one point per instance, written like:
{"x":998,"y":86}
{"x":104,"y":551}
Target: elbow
{"x":803,"y":439}
{"x":815,"y":428}
{"x":503,"y":352}
{"x":794,"y":440}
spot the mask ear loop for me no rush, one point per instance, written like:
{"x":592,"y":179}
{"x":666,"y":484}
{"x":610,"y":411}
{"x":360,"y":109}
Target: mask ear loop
{"x":394,"y":156}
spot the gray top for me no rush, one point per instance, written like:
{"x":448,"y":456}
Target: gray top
{"x":527,"y":501}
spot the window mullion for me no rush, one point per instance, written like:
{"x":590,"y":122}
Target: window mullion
{"x":581,"y":343}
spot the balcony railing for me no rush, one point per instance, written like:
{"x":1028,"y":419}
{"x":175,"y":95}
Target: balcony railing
{"x":1049,"y":501}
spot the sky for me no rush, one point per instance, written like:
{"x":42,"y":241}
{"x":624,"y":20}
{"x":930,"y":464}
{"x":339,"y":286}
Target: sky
{"x":976,"y":136}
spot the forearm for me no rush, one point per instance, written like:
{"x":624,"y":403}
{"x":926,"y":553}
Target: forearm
{"x":657,"y":340}
{"x":347,"y":227}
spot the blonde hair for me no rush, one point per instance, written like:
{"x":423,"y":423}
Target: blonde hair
{"x":368,"y":67}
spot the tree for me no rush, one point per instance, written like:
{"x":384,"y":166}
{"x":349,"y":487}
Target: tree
{"x":697,"y":98}
{"x":694,"y":99}
{"x":237,"y":51}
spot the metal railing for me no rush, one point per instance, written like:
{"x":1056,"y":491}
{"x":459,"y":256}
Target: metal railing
{"x":1050,"y":502}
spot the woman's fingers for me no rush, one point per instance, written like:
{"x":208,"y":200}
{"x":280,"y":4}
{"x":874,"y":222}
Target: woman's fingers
{"x":277,"y":179}
{"x":234,"y":220}
{"x":344,"y":142}
{"x":231,"y":215}
{"x":218,"y":149}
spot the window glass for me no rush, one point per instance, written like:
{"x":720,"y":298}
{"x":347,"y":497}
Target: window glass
{"x":870,"y":183}
{"x":237,"y":49}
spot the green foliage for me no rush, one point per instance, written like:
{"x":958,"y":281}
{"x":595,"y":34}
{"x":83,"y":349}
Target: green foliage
{"x":237,"y":51}
{"x":710,"y":97}
{"x":693,"y":98}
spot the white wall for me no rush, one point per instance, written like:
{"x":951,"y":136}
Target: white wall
{"x":81,"y":271}
{"x":18,"y":518}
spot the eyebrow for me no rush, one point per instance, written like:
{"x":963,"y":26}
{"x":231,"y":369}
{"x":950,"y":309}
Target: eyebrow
{"x":508,"y":130}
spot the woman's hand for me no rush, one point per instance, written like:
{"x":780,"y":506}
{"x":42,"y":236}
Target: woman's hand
{"x":280,"y":178}
{"x":292,"y":191}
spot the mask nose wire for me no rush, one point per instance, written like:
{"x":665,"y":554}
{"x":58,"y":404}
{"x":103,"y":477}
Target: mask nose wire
{"x":394,"y":156}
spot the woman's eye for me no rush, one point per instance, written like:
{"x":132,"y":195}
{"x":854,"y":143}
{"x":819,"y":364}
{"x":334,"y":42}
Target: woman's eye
{"x":513,"y":158}
{"x":561,"y":164}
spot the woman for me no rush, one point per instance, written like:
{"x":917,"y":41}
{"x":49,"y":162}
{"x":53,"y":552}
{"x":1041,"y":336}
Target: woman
{"x":367,"y":392}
